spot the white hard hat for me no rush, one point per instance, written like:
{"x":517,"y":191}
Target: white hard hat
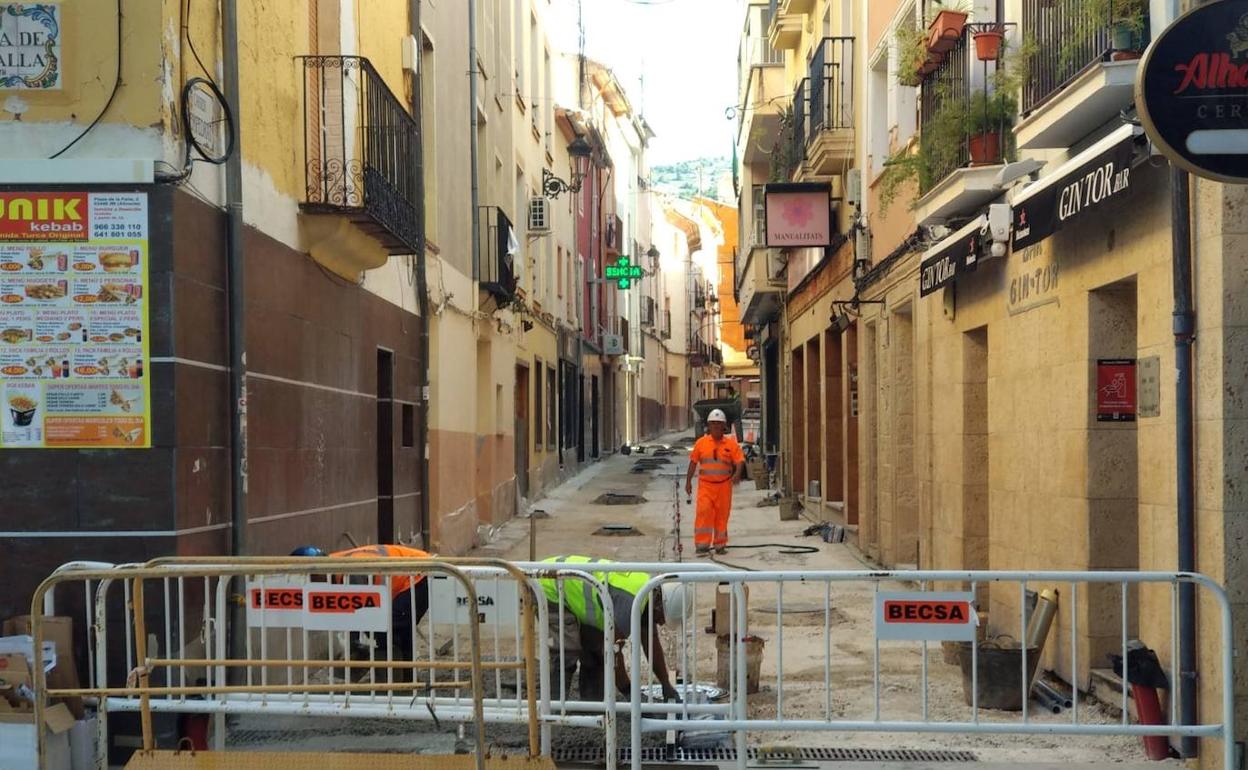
{"x":675,"y":608}
{"x":717,"y":415}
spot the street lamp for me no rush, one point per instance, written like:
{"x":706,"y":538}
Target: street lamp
{"x":580,"y":152}
{"x":653,"y":254}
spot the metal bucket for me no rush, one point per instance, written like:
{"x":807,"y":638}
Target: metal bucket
{"x":1000,"y":675}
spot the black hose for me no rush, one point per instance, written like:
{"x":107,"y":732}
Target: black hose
{"x":785,"y":548}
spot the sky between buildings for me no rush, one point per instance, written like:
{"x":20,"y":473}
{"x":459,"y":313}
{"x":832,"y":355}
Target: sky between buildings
{"x":678,"y":61}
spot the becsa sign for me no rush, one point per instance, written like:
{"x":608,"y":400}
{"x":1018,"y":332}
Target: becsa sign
{"x":318,"y":606}
{"x":932,"y":616}
{"x":1192,"y":91}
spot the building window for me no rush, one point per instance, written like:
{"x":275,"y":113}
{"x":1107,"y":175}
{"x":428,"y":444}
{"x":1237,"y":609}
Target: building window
{"x":551,"y":407}
{"x":548,"y":108}
{"x":518,"y":22}
{"x":559,"y":272}
{"x":534,"y":76}
{"x":538,"y":423}
{"x":428,"y":134}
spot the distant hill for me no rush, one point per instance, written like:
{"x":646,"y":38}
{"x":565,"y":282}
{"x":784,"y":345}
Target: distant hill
{"x":700,"y":176}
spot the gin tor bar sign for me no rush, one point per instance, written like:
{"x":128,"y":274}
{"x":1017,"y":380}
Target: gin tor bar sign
{"x":30,"y":46}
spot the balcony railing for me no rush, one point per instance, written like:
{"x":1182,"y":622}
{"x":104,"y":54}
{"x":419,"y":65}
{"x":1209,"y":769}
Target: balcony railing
{"x":831,"y":87}
{"x":1069,"y":40}
{"x":952,"y":99}
{"x":498,"y":257}
{"x":360,"y":150}
{"x":824,"y":100}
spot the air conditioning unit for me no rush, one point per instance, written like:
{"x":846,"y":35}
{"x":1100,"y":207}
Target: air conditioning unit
{"x":539,"y":215}
{"x":777,"y":261}
{"x":612,"y":345}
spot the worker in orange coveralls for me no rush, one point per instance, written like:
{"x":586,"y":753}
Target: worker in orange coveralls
{"x":719,"y":462}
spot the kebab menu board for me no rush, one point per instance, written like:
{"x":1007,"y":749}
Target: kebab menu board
{"x":74,"y":336}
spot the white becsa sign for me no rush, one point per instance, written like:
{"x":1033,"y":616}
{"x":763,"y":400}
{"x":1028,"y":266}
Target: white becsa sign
{"x":318,"y":606}
{"x":925,"y":616}
{"x":498,"y":601}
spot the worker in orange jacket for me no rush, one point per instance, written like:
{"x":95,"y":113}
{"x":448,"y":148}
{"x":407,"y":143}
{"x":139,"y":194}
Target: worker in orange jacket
{"x":409,"y":595}
{"x":718,"y":461}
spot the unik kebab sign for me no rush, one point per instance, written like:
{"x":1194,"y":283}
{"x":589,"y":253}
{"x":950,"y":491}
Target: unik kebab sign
{"x":74,"y":336}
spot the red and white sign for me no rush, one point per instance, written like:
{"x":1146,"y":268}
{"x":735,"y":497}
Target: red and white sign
{"x":317,"y":607}
{"x":1115,"y":390}
{"x":43,"y":216}
{"x":932,"y":616}
{"x":798,"y":215}
{"x":274,"y":604}
{"x":346,"y":608}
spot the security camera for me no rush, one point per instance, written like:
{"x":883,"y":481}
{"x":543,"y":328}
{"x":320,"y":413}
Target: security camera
{"x":937,"y":232}
{"x":998,"y":248}
{"x":1000,"y":219}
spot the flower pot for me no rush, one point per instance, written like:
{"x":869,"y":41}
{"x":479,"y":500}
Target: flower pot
{"x":1122,"y":41}
{"x":930,"y":64}
{"x":945,"y":31}
{"x":985,"y":148}
{"x":988,"y":44}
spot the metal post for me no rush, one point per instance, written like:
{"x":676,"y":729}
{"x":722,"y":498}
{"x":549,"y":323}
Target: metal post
{"x":235,"y":295}
{"x":422,"y":288}
{"x":1184,"y":330}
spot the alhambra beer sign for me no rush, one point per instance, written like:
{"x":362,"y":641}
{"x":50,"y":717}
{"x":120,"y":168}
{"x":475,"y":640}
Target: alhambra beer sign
{"x":1192,"y":91}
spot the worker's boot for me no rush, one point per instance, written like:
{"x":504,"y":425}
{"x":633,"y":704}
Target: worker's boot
{"x":721,"y":550}
{"x":702,"y":550}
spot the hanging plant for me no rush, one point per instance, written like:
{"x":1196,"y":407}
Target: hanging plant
{"x":945,"y":27}
{"x":988,"y":42}
{"x":911,"y":54}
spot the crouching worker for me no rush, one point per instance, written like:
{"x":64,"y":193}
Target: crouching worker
{"x":581,"y":628}
{"x":409,"y":597}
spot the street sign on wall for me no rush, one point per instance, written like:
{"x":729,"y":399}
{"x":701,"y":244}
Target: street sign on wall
{"x":925,"y":616}
{"x":1192,"y":91}
{"x":1115,"y":390}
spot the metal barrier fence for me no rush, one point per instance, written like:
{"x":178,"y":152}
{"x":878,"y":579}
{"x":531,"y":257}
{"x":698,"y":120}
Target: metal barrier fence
{"x":204,"y":653}
{"x":1098,"y":589}
{"x":172,"y":636}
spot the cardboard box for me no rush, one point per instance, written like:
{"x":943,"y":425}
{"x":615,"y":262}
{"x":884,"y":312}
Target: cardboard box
{"x":60,"y":630}
{"x":19,"y":749}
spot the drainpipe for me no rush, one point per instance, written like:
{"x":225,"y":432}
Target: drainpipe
{"x":1184,"y":330}
{"x":236,"y":305}
{"x":422,"y":288}
{"x":472,"y":139}
{"x":1184,"y":334}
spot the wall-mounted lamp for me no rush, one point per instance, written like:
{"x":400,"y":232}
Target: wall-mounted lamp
{"x":580,"y":153}
{"x":844,"y":312}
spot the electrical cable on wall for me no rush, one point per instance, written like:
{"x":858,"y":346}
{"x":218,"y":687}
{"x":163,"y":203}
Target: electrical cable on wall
{"x":112,"y":96}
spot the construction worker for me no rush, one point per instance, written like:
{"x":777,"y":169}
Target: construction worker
{"x":405,"y":591}
{"x":582,"y":627}
{"x":719,"y":462}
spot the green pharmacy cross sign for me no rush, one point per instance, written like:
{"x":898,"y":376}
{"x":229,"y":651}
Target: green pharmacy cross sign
{"x":624,"y":273}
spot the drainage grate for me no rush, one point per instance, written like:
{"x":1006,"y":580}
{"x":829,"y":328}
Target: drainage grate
{"x":594,"y":755}
{"x":619,"y":498}
{"x":617,"y":530}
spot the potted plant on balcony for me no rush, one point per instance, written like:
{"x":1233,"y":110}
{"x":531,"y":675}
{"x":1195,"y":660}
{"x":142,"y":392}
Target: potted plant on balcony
{"x":988,"y":116}
{"x":988,"y":41}
{"x":1127,"y":21}
{"x":946,"y":25}
{"x":912,"y":55}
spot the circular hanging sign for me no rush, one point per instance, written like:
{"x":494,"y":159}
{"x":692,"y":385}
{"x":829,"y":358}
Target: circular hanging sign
{"x":1192,"y":91}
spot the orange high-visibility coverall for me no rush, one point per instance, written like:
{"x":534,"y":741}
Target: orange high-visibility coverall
{"x":717,"y":461}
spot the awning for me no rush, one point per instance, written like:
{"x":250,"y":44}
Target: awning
{"x":1081,"y":185}
{"x":953,"y":256}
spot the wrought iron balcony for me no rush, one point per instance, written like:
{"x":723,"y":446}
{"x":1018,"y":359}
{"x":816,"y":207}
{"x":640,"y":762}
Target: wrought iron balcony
{"x":1070,"y":41}
{"x":964,"y":120}
{"x":499,"y":249}
{"x":823,"y":110}
{"x":360,"y":150}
